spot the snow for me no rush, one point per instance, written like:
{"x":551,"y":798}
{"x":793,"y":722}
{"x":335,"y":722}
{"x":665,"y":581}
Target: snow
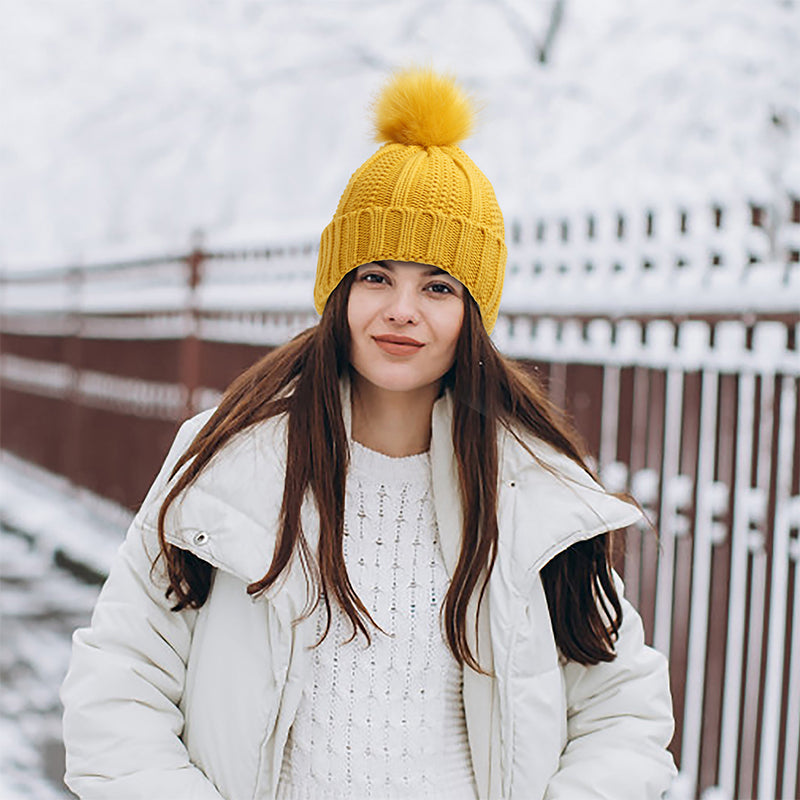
{"x":60,"y":516}
{"x":43,"y":521}
{"x":128,"y":131}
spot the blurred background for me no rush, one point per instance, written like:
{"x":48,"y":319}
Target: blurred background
{"x":165,"y":174}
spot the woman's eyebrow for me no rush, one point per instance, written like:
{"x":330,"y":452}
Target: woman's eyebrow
{"x":431,"y":271}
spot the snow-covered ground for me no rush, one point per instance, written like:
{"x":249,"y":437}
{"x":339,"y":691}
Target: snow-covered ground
{"x":54,"y":548}
{"x":127,"y":126}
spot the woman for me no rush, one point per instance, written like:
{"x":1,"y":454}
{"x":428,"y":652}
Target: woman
{"x":380,"y":568}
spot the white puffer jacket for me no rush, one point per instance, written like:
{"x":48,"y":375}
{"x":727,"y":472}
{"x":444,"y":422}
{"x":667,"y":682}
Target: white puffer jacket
{"x":198,"y":704}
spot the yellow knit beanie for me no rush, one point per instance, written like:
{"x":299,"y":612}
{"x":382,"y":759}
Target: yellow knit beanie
{"x":419,"y":197}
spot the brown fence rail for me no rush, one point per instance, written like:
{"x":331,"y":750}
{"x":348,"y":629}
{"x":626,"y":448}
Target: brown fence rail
{"x":684,"y":384}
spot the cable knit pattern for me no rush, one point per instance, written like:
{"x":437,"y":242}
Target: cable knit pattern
{"x":385,"y":720}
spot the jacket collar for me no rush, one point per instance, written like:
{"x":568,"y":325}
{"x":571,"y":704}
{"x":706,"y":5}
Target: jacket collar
{"x":556,"y":503}
{"x":229,"y":515}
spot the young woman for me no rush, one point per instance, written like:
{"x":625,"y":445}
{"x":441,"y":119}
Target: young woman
{"x":380,"y":568}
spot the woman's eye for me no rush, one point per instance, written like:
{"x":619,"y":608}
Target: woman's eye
{"x":441,"y":288}
{"x":370,"y":275}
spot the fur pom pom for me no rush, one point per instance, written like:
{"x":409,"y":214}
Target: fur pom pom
{"x":419,"y":106}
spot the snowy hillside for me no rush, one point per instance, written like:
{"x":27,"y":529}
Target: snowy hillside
{"x":128,"y":125}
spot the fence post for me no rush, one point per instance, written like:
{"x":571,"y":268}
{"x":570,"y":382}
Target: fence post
{"x":73,"y":455}
{"x":190,"y":346}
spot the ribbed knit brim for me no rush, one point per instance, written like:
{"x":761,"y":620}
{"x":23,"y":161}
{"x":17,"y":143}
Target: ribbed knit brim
{"x":470,"y":253}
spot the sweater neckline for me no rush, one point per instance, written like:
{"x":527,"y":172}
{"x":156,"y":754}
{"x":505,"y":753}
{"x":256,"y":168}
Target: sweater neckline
{"x":379,"y":466}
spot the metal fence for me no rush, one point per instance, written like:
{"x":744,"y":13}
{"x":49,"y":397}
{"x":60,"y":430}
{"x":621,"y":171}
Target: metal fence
{"x":673,"y":338}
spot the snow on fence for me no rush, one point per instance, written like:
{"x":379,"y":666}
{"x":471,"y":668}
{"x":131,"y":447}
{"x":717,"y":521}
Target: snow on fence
{"x":684,"y":260}
{"x":703,"y":259}
{"x":672,"y":335}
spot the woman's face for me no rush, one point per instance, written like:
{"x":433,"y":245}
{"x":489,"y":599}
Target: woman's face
{"x":395,"y":300}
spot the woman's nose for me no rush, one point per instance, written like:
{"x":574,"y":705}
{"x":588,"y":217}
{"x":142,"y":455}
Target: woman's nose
{"x":402,"y":306}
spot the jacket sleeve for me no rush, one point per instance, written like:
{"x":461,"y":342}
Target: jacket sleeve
{"x":619,"y":723}
{"x":122,"y":723}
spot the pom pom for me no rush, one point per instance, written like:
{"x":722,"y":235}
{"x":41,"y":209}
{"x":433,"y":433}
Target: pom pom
{"x":419,"y":106}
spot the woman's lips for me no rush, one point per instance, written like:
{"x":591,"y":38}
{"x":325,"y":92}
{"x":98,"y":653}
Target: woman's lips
{"x":396,"y":348}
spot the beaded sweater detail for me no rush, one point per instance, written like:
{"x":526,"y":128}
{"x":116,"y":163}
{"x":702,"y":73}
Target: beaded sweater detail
{"x":384,"y":720}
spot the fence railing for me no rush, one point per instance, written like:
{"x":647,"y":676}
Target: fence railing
{"x":676,"y":352}
{"x":700,"y":422}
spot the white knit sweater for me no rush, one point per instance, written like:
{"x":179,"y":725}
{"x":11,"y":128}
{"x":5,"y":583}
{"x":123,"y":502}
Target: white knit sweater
{"x":385,"y":720}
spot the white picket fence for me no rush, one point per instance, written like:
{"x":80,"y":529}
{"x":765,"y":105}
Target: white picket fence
{"x":715,"y":465}
{"x":676,"y":259}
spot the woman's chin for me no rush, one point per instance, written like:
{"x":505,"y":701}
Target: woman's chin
{"x":399,"y":383}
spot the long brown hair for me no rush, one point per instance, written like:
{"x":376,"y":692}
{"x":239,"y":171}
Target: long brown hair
{"x":301,"y":379}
